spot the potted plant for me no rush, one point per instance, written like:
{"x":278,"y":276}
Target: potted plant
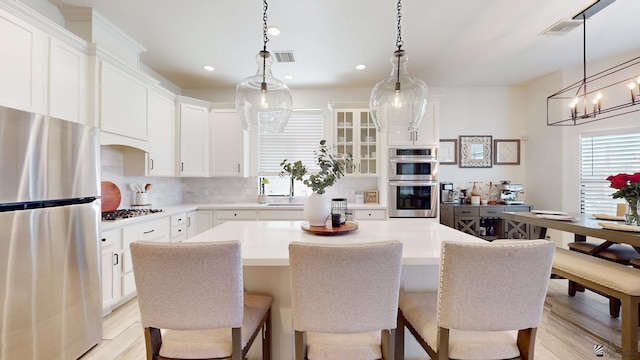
{"x":262,"y":196}
{"x":317,"y":208}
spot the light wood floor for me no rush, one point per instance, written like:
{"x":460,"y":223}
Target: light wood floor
{"x":569,"y":330}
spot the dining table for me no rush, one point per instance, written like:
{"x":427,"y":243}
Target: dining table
{"x":581,"y":225}
{"x":265,"y":260}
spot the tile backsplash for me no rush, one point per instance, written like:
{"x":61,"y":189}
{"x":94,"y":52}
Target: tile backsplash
{"x":176,"y":190}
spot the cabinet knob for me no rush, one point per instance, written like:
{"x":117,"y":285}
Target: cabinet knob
{"x":104,"y":239}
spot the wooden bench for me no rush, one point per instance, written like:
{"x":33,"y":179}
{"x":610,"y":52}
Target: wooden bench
{"x":616,"y":280}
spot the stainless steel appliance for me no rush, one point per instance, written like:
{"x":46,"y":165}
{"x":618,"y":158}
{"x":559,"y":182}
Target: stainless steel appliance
{"x":447,"y":194}
{"x":413,"y":186}
{"x":413,"y":164}
{"x":49,"y":249}
{"x":509,"y":193}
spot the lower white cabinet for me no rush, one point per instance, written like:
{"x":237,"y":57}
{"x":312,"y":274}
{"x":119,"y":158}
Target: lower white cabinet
{"x":191,"y":223}
{"x":281,"y":215}
{"x":204,"y":221}
{"x":178,"y":231}
{"x":155,"y":230}
{"x":111,"y":267}
{"x":365,"y":214}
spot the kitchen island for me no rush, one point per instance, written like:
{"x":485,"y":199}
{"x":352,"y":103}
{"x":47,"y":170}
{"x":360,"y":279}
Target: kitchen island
{"x":265,"y":257}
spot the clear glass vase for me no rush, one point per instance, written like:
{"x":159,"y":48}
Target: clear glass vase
{"x":631,"y":213}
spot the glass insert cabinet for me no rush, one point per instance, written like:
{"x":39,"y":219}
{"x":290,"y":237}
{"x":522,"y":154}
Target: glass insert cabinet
{"x":355,"y":134}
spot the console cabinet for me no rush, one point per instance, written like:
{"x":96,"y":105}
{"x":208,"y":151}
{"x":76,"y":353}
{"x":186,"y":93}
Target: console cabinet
{"x":484,"y":220}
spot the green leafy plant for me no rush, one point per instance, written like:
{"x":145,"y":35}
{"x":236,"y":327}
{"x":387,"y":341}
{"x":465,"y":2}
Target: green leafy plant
{"x":331,"y":169}
{"x":263,"y":181}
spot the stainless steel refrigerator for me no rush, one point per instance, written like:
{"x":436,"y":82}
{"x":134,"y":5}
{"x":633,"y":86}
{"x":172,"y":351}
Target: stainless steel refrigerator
{"x":50,"y":293}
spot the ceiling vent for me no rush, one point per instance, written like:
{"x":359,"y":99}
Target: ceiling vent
{"x":284,"y":56}
{"x":562,"y":27}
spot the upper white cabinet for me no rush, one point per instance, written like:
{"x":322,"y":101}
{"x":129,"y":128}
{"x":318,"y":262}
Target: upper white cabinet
{"x":123,"y":103}
{"x":355,"y":134}
{"x":228,"y":145}
{"x":67,"y":82}
{"x":161,"y":113}
{"x":23,"y":65}
{"x":194,"y":140}
{"x":428,"y":133}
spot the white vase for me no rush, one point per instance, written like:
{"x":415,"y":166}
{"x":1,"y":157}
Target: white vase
{"x":317,"y":209}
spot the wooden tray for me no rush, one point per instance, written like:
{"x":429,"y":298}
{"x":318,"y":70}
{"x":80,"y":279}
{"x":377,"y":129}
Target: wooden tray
{"x":348,"y":226}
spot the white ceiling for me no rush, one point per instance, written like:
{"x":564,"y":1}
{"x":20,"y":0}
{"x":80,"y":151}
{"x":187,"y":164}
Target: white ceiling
{"x":448,"y":42}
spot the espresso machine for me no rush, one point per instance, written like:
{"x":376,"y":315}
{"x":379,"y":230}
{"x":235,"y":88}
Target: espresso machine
{"x":509,"y":193}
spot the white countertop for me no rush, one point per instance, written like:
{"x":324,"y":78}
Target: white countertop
{"x":265,"y":243}
{"x":170,"y":210}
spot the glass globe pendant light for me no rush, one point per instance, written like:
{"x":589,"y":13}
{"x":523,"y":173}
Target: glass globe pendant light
{"x":400,"y":99}
{"x":263,"y":101}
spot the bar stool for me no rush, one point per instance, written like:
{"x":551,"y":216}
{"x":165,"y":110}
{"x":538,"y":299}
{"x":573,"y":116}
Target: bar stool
{"x":619,"y":253}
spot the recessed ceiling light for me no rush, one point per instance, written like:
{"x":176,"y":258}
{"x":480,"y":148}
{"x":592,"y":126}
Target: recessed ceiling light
{"x":361,"y":66}
{"x":288,"y":77}
{"x":273,"y":31}
{"x":208,"y":68}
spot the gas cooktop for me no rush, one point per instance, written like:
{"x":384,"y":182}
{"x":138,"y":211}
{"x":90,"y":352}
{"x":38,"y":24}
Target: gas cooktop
{"x":127,"y":213}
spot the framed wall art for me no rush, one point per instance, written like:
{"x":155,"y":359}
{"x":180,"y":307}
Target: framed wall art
{"x":475,"y":151}
{"x":448,"y":151}
{"x":371,"y":196}
{"x":506,"y":151}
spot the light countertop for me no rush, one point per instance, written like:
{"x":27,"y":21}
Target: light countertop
{"x":170,"y":210}
{"x":265,"y":243}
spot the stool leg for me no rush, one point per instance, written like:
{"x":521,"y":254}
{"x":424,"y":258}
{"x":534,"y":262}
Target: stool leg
{"x":614,"y":307}
{"x":574,"y":287}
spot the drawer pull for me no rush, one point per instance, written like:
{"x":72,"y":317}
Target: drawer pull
{"x":104,"y":239}
{"x":148,"y":232}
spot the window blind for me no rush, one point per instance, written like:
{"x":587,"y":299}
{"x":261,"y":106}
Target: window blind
{"x":603,"y":154}
{"x":300,"y":138}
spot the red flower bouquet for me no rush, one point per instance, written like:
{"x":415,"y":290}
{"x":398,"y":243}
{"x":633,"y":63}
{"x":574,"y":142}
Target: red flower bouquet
{"x":628,"y":185}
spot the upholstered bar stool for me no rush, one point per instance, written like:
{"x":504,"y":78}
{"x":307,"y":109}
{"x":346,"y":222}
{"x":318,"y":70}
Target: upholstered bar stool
{"x":194,"y":293}
{"x":635,"y":263}
{"x":619,"y":253}
{"x":345,"y":299}
{"x":488,"y":305}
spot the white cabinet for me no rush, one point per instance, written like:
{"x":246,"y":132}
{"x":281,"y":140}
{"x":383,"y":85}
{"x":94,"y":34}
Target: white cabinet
{"x":192,"y":219}
{"x":228,"y":144}
{"x":194,"y":140}
{"x":161,"y":120}
{"x":281,"y":215}
{"x":123,"y":103}
{"x":204,"y":220}
{"x":368,"y":214}
{"x":355,"y":134}
{"x":178,"y":230}
{"x":111,"y":268}
{"x":428,"y":133}
{"x":23,"y":65}
{"x":154,"y":230}
{"x":67,"y":82}
{"x":222,"y":216}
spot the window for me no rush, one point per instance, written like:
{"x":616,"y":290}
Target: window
{"x":603,"y":154}
{"x":299,"y":140}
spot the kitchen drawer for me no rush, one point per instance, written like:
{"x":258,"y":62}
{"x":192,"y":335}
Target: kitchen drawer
{"x":154,"y":230}
{"x":282,"y":215}
{"x":491,"y":211}
{"x":368,"y":214}
{"x":179,"y":230}
{"x":179,"y":219}
{"x":517,"y":208}
{"x":468,"y":211}
{"x":236,"y":215}
{"x":109,"y":238}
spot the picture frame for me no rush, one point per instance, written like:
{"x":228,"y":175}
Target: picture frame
{"x":476,"y":151}
{"x":506,"y":151}
{"x":448,"y":152}
{"x":371,"y":196}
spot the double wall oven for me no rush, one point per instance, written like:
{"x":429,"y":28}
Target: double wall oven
{"x":413,"y":183}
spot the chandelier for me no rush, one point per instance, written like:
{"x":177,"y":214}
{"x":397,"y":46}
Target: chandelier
{"x":612,"y":92}
{"x":263,"y":101}
{"x":400,"y":98}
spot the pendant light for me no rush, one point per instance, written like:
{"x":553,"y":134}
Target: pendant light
{"x":263,"y":101}
{"x":400,"y":99}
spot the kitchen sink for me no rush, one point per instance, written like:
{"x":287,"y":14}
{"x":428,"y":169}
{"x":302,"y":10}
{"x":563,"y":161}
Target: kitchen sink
{"x":286,"y":204}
